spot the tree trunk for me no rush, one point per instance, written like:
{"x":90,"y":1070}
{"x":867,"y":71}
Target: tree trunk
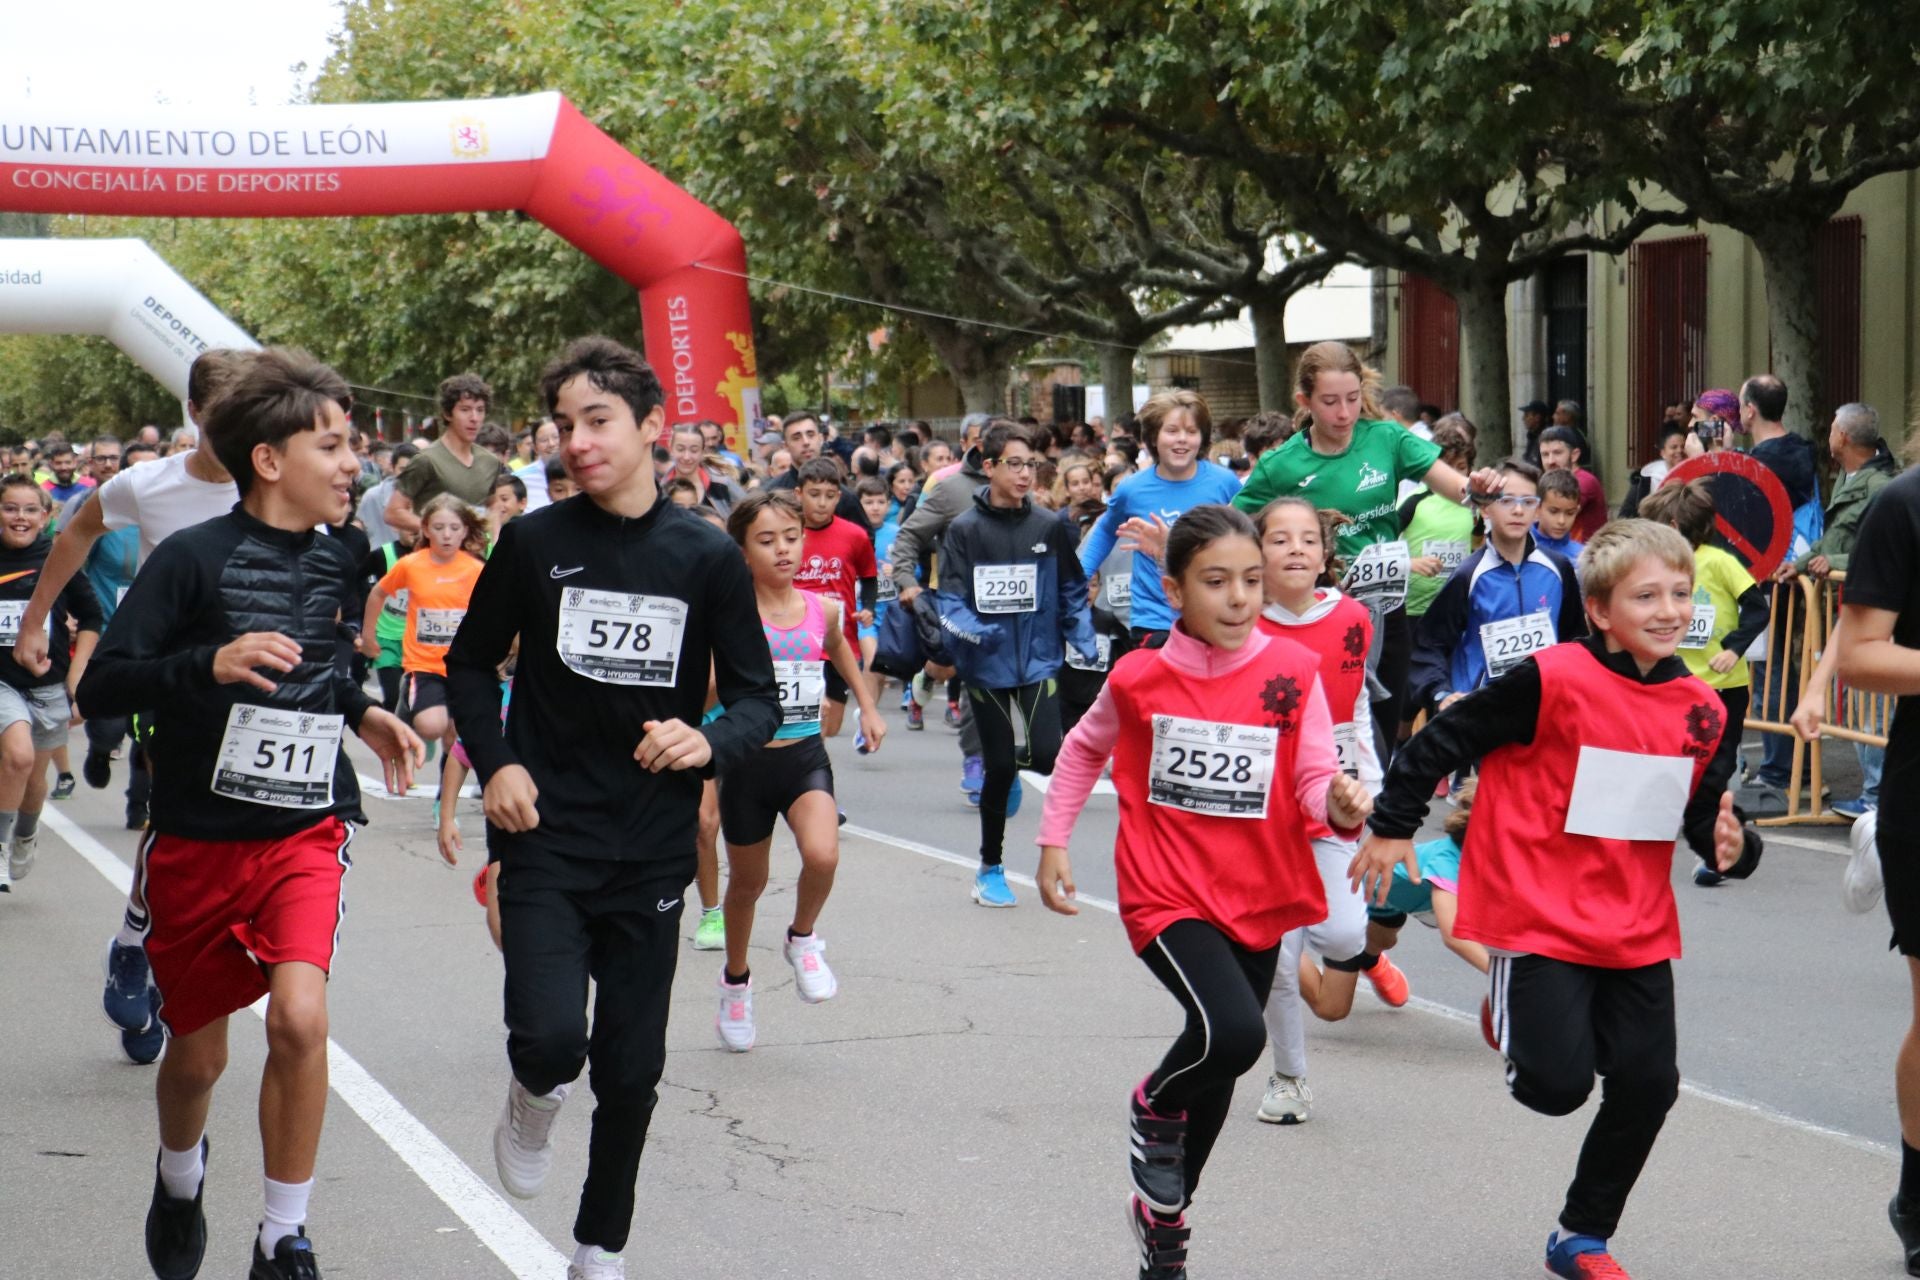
{"x":978,"y":360}
{"x":1788,"y":254}
{"x":1486,"y":394}
{"x":1270,"y":355}
{"x":1116,"y":377}
{"x":983,"y":386}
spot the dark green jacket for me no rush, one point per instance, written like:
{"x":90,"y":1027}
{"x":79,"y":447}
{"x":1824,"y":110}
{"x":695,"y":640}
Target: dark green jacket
{"x":1851,"y":494}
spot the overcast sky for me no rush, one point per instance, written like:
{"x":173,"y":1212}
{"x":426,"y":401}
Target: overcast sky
{"x":140,"y":52}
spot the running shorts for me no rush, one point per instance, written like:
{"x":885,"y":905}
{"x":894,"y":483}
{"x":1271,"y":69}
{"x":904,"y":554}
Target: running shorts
{"x":44,"y":711}
{"x":220,"y":912}
{"x":424,"y":691}
{"x":757,"y":791}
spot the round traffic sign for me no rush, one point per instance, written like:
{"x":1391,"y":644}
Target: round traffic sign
{"x":1751,"y":513}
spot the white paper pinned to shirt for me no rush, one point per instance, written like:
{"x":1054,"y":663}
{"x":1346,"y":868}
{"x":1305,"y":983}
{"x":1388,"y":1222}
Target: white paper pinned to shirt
{"x":1624,"y":795}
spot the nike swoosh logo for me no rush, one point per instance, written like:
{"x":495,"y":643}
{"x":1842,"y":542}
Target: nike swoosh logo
{"x":668,"y":906}
{"x":558,"y":572}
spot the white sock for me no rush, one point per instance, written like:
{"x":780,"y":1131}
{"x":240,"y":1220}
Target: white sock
{"x":286,"y":1211}
{"x":130,"y":934}
{"x":585,"y":1253}
{"x":181,"y":1171}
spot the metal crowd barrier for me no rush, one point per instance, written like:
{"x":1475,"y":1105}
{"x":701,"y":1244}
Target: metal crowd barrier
{"x":1811,"y":609}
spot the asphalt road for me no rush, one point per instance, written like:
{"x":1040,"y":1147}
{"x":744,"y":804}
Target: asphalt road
{"x":958,"y":1110}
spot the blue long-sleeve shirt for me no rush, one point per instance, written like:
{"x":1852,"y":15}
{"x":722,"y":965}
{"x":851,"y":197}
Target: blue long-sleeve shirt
{"x":1447,"y":653}
{"x":1147,"y":494}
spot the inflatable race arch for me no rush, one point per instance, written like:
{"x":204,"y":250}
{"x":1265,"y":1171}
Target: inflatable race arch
{"x":120,"y":290}
{"x":537,"y":154}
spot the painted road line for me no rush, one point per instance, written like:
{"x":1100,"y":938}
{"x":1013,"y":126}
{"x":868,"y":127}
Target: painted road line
{"x":1039,"y":781}
{"x":421,"y":790}
{"x":510,"y":1237}
{"x":1432,"y":1007}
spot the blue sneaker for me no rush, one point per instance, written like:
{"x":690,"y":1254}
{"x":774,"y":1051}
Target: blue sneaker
{"x":143,"y":1047}
{"x":973,"y":776}
{"x":1707,"y":877}
{"x":1851,"y":809}
{"x":990,"y":888}
{"x":126,"y":998}
{"x":1582,"y":1258}
{"x":1013,"y":796}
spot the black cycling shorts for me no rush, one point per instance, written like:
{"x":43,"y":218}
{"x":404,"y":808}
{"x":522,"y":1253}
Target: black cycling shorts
{"x":758,"y":791}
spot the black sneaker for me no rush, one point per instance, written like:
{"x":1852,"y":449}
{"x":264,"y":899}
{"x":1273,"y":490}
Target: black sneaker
{"x":1162,"y":1243}
{"x":292,"y":1259}
{"x":1157,"y":1156}
{"x":176,"y":1229}
{"x":97,"y":769}
{"x":63,"y":786}
{"x":1906,"y":1225}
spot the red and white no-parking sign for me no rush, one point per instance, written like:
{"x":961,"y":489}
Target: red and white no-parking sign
{"x":1751,"y":513}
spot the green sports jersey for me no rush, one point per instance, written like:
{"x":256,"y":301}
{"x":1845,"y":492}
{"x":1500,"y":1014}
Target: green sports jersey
{"x":1360,"y":482}
{"x":1719,"y":581}
{"x":1449,"y":527}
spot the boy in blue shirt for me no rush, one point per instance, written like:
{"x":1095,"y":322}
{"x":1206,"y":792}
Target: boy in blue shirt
{"x":1176,"y":428}
{"x":1505,"y":602}
{"x":1559,"y":511}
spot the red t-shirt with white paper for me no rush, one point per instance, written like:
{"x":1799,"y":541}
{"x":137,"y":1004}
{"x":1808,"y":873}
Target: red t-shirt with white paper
{"x":832,"y":562}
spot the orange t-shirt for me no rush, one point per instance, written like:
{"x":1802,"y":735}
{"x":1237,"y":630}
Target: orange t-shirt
{"x":437,"y":596}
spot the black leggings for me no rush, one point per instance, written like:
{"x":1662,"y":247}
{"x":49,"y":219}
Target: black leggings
{"x":564,"y":921}
{"x":1019,"y":729}
{"x":1224,"y":989}
{"x":1396,"y":662}
{"x":1558,"y":1025}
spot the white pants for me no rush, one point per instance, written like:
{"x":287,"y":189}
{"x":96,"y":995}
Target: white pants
{"x":1342,"y":935}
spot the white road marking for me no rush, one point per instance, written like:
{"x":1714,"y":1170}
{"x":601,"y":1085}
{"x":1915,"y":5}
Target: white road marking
{"x":1434,"y":1007}
{"x":510,"y":1237}
{"x":421,"y":790}
{"x":1039,"y":781}
{"x":1772,"y":836}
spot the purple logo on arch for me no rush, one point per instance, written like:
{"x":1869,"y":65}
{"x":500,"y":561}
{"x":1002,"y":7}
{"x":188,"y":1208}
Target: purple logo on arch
{"x":623,"y":195}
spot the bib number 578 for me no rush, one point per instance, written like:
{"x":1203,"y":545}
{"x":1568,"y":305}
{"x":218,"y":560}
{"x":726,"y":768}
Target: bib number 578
{"x":605,"y":634}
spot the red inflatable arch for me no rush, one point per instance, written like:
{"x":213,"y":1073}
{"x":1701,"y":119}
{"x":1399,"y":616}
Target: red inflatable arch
{"x":537,"y":154}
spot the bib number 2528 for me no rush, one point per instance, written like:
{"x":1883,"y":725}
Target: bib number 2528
{"x":1202,"y":767}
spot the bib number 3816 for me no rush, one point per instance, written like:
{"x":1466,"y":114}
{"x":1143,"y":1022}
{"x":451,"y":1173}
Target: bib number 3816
{"x":619,"y":638}
{"x":276,"y":757}
{"x":1378,"y":576}
{"x":1221,"y":770}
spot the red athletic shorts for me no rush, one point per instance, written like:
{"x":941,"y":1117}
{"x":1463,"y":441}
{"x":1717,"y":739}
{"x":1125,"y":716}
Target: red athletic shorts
{"x":220,"y":911}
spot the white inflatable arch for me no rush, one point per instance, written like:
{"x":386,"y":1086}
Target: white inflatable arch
{"x":120,"y":290}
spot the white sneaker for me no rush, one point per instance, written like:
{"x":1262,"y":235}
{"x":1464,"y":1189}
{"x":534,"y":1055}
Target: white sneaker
{"x":523,"y":1139}
{"x":598,"y":1265}
{"x":1862,"y":887}
{"x":20,"y":860}
{"x":811,"y":976}
{"x":1288,"y":1100}
{"x":734,"y":1023}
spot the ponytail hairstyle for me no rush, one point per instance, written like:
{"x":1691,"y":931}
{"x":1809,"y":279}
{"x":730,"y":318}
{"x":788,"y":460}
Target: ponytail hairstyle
{"x":1201,"y":527}
{"x":1456,"y":824}
{"x":748,"y":509}
{"x":474,"y":541}
{"x":1334,"y":357}
{"x":1333,"y":568}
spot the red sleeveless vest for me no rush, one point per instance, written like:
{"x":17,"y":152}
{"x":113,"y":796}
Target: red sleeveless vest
{"x":1562,"y":859}
{"x":1253,"y":878}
